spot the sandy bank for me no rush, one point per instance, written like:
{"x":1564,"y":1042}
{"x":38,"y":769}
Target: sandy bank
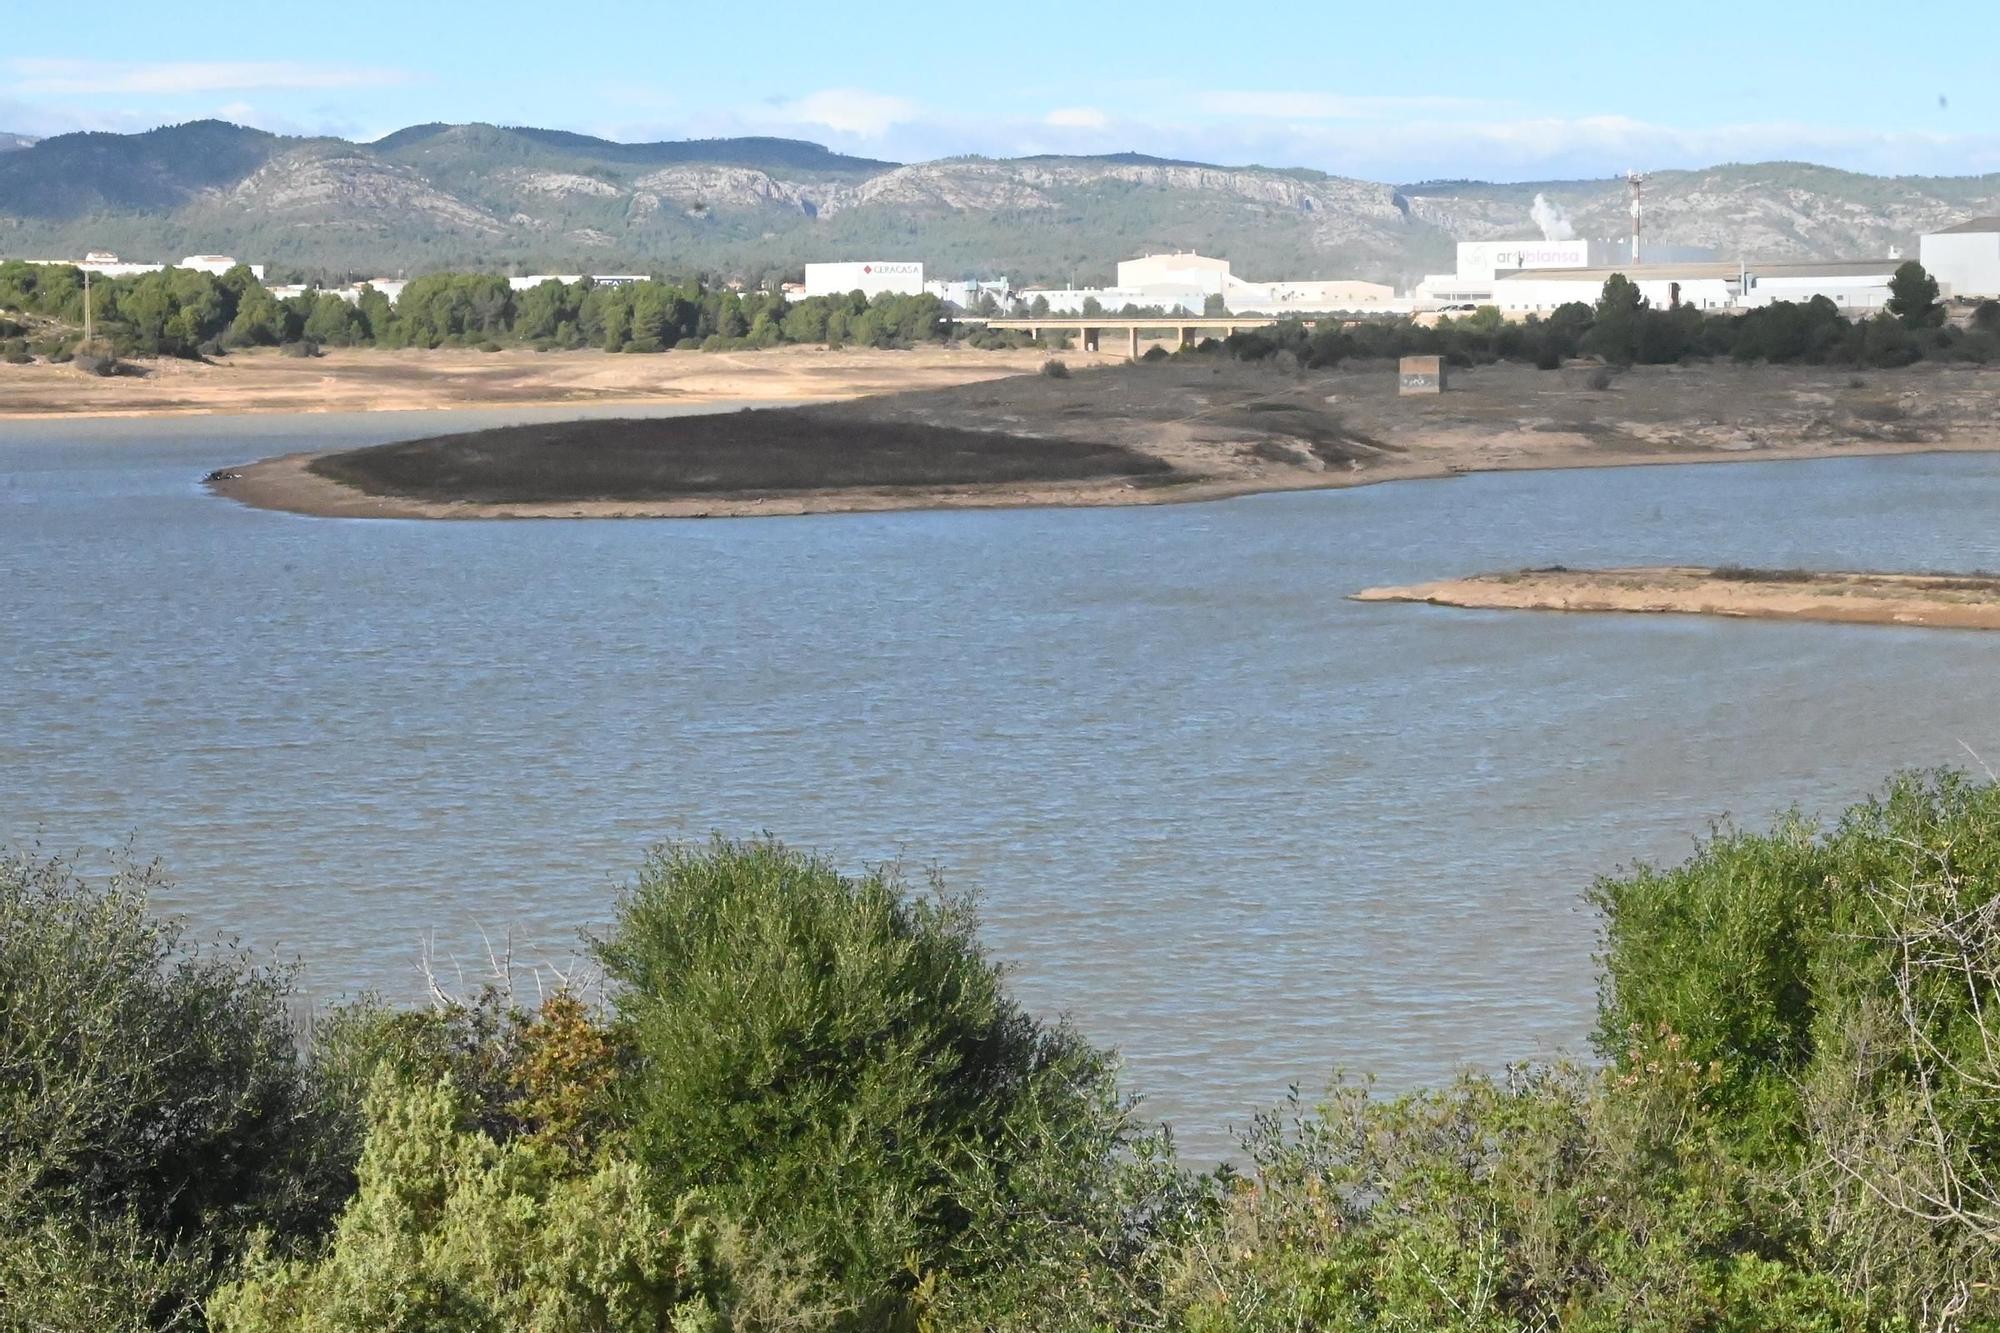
{"x":372,"y":380}
{"x":1934,"y":601}
{"x":1220,"y":427}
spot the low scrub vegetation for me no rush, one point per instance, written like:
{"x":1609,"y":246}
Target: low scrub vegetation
{"x":807,"y":1102}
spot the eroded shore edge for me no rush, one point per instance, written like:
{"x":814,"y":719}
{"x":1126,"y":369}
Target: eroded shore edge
{"x":286,"y":483}
{"x":1847,"y":597}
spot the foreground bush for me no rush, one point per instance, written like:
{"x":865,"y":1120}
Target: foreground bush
{"x":452,"y":1231}
{"x":1841,"y":985}
{"x":1550,"y":1199}
{"x":814,"y":1106}
{"x":841,"y":1062}
{"x":154,"y":1105}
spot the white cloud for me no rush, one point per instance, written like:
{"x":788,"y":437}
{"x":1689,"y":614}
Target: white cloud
{"x":77,"y":78}
{"x":1325,"y":106}
{"x":1077,"y":118}
{"x":853,"y":111}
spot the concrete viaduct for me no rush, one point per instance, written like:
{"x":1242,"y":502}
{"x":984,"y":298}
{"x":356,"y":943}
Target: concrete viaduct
{"x":1093,"y":327}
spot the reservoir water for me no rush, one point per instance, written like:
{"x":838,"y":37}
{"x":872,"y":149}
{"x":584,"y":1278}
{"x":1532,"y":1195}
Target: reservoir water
{"x":1242,"y":828}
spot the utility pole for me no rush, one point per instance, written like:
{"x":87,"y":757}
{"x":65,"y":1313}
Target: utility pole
{"x":1637,"y":179}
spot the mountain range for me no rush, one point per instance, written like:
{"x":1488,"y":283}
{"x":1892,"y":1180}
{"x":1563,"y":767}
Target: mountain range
{"x":529,"y":199}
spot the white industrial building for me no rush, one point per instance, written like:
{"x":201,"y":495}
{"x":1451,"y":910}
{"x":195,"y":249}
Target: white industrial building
{"x":1850,"y":284}
{"x":870,"y":277}
{"x":1183,"y":284}
{"x":964,"y":295}
{"x":1310,"y":295}
{"x":105,"y":264}
{"x":218,"y":265}
{"x":1964,"y":259}
{"x":1189,"y":272}
{"x":1111,"y":300}
{"x":1480,"y":263}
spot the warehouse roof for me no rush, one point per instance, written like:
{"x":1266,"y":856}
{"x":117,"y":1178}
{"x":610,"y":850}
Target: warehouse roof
{"x":1970,"y":224}
{"x":1832,"y":268}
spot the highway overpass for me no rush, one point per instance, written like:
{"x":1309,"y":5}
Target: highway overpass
{"x":1191,"y":328}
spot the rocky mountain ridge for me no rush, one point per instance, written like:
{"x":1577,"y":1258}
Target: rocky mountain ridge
{"x":438,"y":195}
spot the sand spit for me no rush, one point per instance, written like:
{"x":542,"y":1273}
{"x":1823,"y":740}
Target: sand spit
{"x":1930,"y":601}
{"x":1219,"y":427}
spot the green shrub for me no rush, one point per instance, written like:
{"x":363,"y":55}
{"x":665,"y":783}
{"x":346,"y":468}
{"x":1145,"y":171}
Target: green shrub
{"x":451,"y":1231}
{"x":153,"y":1099}
{"x":1839,"y":985}
{"x":839,"y":1060}
{"x":1548,"y":1199}
{"x":106,"y":1276}
{"x":1055,"y":370}
{"x":546,"y":1077}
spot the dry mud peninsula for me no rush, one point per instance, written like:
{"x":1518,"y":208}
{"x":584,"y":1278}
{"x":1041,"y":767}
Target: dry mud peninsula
{"x":1186,"y":428}
{"x":1938,"y":601}
{"x":366,"y":379}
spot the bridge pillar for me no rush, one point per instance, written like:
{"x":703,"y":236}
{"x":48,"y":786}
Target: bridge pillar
{"x":1134,"y":352}
{"x":1091,"y":339}
{"x":1187,"y":336}
{"x":1034,"y":334}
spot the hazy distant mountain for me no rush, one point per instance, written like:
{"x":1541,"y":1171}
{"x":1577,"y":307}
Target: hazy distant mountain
{"x":10,"y":142}
{"x":436,"y":195}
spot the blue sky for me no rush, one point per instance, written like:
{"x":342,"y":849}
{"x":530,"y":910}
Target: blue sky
{"x":1398,"y":92}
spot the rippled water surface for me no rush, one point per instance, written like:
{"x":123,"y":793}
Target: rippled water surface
{"x":1240,"y":827}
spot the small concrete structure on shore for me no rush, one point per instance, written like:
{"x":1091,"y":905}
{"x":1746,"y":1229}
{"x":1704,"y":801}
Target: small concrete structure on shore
{"x":1420,"y":374}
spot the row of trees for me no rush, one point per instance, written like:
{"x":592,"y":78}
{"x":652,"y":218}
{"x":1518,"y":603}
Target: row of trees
{"x":1624,"y":328}
{"x":810,"y":1104}
{"x":180,"y":312}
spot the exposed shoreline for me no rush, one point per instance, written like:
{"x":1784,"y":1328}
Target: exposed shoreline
{"x":1226,"y":429}
{"x":1926,"y":601}
{"x":287,"y":484}
{"x":264,"y":382}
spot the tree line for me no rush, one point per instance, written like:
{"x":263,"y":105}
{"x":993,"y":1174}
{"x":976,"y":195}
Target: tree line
{"x":1623,"y":328}
{"x":186,"y":313}
{"x":180,"y":312}
{"x":806,"y":1101}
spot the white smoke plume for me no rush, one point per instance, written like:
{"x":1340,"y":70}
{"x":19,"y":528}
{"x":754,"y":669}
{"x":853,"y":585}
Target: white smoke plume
{"x":1552,"y":220}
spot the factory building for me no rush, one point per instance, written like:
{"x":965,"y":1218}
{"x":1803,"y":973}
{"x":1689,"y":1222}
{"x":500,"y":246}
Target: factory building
{"x":1480,"y":263}
{"x":964,"y":295}
{"x":1185,"y":283}
{"x":1964,"y":259}
{"x":1855,"y":285}
{"x":1188,"y":272}
{"x":105,"y":264}
{"x":1111,"y":300}
{"x":218,"y":265}
{"x":870,"y":277}
{"x":1343,"y":296}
